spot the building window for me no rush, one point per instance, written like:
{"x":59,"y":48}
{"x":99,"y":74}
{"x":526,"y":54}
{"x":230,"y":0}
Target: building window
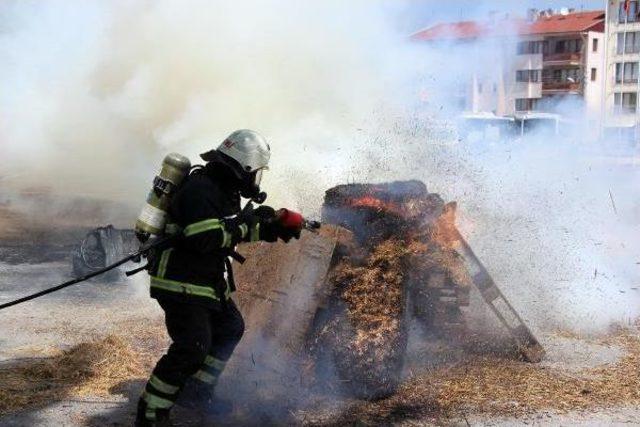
{"x":595,"y":45}
{"x":528,"y":76}
{"x":530,"y":48}
{"x":526,"y":104}
{"x":630,"y":72}
{"x":593,"y":74}
{"x":568,"y":46}
{"x":628,"y":42}
{"x":495,"y":88}
{"x":625,"y":102}
{"x":479,"y":87}
{"x":630,"y":14}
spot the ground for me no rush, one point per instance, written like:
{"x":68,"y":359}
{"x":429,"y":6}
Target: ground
{"x":43,"y":328}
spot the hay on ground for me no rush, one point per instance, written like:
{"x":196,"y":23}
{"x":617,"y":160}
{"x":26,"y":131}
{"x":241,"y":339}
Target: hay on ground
{"x":87,"y":369}
{"x":501,"y":387}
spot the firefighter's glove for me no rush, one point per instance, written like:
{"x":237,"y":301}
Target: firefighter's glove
{"x":273,"y":224}
{"x":264,"y":213}
{"x":263,"y":218}
{"x":269,"y":230}
{"x":289,"y":224}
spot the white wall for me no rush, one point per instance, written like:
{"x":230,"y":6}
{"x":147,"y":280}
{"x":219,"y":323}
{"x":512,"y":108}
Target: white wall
{"x":487,"y":87}
{"x":593,"y":90}
{"x":613,"y":27}
{"x":515,"y":90}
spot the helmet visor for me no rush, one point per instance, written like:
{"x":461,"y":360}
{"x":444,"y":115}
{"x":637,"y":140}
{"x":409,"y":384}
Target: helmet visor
{"x":258,"y":177}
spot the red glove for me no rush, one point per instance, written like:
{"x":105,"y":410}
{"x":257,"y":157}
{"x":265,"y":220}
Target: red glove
{"x":290,"y":224}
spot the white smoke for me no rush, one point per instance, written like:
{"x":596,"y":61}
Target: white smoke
{"x":553,"y":217}
{"x":555,"y":239}
{"x":96,"y":93}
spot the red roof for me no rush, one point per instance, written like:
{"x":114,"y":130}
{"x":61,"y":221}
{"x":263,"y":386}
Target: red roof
{"x":571,"y":23}
{"x":555,"y":24}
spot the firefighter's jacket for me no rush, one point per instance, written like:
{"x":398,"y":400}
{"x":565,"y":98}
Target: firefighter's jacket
{"x":205,"y":208}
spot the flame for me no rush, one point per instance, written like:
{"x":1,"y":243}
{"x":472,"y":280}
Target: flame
{"x":377,"y":204}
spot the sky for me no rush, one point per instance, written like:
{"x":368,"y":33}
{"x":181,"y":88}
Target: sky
{"x":423,"y":13}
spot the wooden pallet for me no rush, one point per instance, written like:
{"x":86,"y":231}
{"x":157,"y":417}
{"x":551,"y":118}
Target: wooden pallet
{"x":280,"y":288}
{"x":527,"y":343}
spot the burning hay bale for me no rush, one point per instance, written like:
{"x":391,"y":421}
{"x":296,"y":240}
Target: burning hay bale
{"x":398,"y":266}
{"x":366,"y":333}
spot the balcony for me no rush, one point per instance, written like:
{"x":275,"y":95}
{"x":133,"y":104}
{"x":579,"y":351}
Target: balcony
{"x":624,"y":110}
{"x":562,"y":58}
{"x":561,"y":86}
{"x":627,"y":81}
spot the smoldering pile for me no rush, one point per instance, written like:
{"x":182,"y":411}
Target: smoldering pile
{"x":399,"y":266}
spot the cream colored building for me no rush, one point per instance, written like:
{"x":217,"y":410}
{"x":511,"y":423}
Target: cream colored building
{"x":550,"y":62}
{"x":622,"y":83}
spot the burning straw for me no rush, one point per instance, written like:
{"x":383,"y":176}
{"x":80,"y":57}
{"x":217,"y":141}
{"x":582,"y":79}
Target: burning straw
{"x":398,"y":266}
{"x":373,"y":294}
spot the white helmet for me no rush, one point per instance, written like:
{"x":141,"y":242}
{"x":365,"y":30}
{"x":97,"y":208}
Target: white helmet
{"x":250,"y":152}
{"x":248,"y":148}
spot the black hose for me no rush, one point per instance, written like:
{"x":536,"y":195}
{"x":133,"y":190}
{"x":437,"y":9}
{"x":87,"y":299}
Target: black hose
{"x":70,"y":282}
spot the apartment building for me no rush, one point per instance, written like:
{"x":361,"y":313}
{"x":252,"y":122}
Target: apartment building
{"x":622,"y":85}
{"x":550,"y":61}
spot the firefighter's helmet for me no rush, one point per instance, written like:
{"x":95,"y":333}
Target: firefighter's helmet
{"x":247,"y":147}
{"x":249,"y":153}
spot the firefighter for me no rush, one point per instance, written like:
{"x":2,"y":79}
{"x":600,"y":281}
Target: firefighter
{"x":192,"y":281}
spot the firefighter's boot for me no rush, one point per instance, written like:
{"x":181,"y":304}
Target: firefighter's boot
{"x":201,"y":397}
{"x":149,"y":417}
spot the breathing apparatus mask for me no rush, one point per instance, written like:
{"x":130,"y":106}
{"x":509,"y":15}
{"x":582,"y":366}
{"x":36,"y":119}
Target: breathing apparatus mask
{"x":250,"y":184}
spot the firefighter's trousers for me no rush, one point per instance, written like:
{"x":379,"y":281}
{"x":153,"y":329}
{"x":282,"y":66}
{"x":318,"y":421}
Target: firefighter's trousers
{"x":203,"y":341}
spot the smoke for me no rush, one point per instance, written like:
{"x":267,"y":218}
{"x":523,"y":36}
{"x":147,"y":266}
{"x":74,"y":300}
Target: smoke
{"x":97,"y":93}
{"x":553,"y":222}
{"x":552,"y":216}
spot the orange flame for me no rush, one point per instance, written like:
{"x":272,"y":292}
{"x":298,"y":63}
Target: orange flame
{"x":377,"y":204}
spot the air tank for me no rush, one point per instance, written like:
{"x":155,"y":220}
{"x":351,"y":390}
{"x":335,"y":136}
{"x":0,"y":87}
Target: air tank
{"x":153,"y":217}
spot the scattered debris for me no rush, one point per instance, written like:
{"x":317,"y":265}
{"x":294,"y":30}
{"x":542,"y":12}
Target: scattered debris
{"x":613,"y":203}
